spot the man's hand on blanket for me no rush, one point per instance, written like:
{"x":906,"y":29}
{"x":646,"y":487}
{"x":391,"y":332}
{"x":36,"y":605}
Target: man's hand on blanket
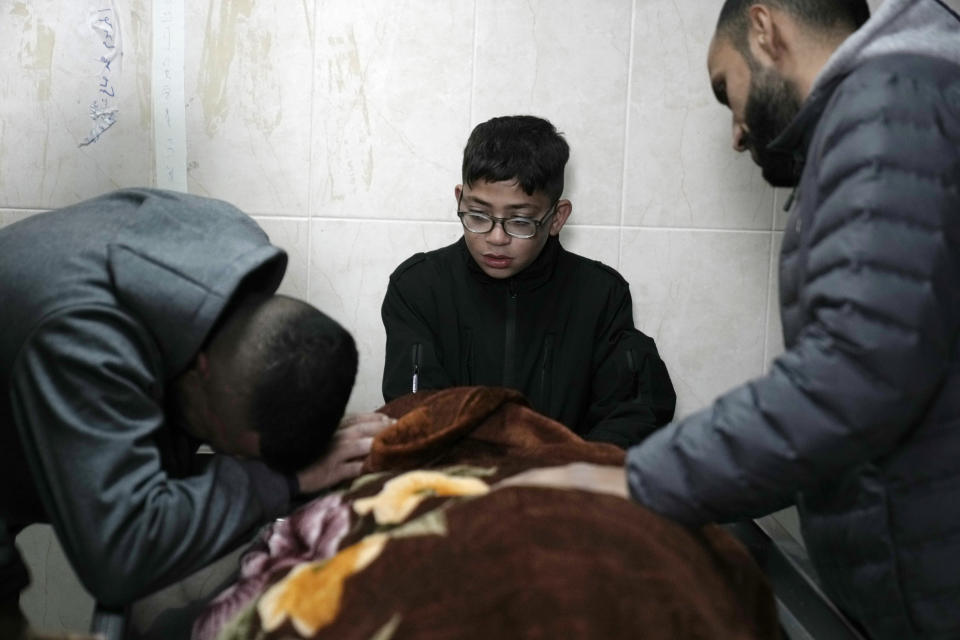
{"x":576,"y":475}
{"x":344,"y":460}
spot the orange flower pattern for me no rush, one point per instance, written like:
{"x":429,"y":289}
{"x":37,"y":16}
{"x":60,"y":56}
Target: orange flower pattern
{"x":401,"y":495}
{"x":310,"y":594}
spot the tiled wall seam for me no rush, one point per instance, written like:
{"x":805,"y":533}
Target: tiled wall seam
{"x":473,"y":60}
{"x":626,"y":131}
{"x":311,"y":150}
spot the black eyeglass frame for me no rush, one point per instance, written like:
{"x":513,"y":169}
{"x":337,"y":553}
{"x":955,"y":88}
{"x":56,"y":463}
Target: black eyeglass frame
{"x":494,"y":220}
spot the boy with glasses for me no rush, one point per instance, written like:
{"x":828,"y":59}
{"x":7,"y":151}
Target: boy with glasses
{"x":507,"y":305}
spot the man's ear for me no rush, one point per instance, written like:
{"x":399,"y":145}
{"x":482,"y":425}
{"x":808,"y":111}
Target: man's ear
{"x":564,"y":209}
{"x":457,"y":190}
{"x":766,"y":34}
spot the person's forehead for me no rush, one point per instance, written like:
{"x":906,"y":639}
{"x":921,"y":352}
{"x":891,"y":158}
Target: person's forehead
{"x":504,"y":193}
{"x":720,"y":55}
{"x":727,"y":69}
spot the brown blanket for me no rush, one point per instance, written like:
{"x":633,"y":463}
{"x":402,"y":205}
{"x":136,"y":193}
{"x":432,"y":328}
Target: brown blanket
{"x":479,"y":425}
{"x":434,"y":551}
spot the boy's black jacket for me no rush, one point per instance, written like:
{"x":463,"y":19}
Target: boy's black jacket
{"x":561,"y":331}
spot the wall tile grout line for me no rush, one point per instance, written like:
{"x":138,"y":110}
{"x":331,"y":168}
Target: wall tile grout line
{"x":473,"y":62}
{"x":310,"y":146}
{"x":626,"y":134}
{"x":409,"y":221}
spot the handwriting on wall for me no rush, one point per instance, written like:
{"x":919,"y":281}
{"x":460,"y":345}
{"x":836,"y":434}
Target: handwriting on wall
{"x":169,"y":126}
{"x":103,"y":110}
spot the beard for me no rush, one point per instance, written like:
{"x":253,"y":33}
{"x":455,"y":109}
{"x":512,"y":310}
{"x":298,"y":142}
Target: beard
{"x":772,"y":104}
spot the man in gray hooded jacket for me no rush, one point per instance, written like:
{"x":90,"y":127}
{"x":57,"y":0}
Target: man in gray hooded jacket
{"x":133,"y":327}
{"x":858,"y":422}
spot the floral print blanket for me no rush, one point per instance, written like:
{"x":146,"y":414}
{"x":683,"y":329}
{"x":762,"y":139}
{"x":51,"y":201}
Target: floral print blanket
{"x":427,"y":545}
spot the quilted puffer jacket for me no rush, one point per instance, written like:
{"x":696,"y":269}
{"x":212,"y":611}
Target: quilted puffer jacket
{"x":858,"y":421}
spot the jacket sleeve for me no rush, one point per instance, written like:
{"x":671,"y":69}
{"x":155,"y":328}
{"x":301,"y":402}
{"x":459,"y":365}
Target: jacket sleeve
{"x":880,"y":303}
{"x":89,"y":411}
{"x":412,"y":346}
{"x":631,"y":390}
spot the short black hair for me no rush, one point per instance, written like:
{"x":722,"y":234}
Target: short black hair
{"x":824,"y":15}
{"x":304,"y":378}
{"x":523,"y":148}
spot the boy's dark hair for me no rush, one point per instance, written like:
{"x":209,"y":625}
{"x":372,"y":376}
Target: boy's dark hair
{"x":302,"y":383}
{"x":526,"y":149}
{"x":824,"y":15}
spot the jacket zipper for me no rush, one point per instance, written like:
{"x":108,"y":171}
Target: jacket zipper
{"x":415,"y":356}
{"x":634,"y":378}
{"x":468,"y":360}
{"x":799,"y":160}
{"x":544,"y":372}
{"x":510,"y":339}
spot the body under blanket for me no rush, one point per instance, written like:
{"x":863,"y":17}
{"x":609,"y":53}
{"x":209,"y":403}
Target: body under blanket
{"x":426,"y":545}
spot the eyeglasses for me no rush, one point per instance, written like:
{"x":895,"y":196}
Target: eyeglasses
{"x":522,"y":228}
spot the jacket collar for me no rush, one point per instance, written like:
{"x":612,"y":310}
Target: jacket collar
{"x":533,"y":277}
{"x":795,"y":139}
{"x":927,"y":27}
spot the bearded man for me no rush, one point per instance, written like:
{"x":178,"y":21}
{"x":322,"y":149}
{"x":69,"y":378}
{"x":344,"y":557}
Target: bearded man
{"x":858,"y":421}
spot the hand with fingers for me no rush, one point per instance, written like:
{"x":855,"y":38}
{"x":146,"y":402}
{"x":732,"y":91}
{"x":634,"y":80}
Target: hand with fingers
{"x":344,"y":459}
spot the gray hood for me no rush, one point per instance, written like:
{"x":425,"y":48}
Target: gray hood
{"x":920,"y":27}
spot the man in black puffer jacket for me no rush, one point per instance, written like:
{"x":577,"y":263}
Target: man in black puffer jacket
{"x":859,"y":420}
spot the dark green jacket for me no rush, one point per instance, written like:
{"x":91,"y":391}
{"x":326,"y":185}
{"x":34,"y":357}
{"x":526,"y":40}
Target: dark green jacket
{"x":561,"y":331}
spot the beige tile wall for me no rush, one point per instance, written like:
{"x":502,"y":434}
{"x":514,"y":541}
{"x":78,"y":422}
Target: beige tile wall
{"x":340,"y":124}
